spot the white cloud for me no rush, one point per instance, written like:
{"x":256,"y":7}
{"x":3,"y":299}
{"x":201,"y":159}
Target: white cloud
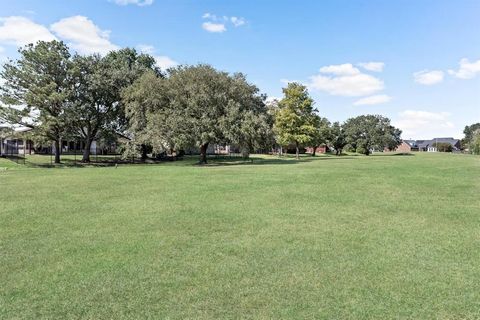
{"x":140,"y":3}
{"x":237,"y":22}
{"x":427,"y":77}
{"x":3,"y":58}
{"x":163,"y":62}
{"x":345,"y":80}
{"x":372,"y":66}
{"x":218,"y":24}
{"x":209,"y":16}
{"x":19,"y":31}
{"x":340,"y":69}
{"x":468,"y":70}
{"x":376,"y":99}
{"x":419,"y":124}
{"x":146,"y":48}
{"x":214,"y":27}
{"x":84,"y":35}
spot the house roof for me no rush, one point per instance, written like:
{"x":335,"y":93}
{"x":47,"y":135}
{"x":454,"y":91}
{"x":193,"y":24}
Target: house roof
{"x":411,"y":143}
{"x":427,"y":143}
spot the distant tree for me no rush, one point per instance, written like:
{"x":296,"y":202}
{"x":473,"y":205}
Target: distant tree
{"x":337,"y":138}
{"x":252,"y":131}
{"x":443,"y":147}
{"x":469,"y":132}
{"x":368,"y":132}
{"x":39,"y":85}
{"x":321,"y":133}
{"x":294,"y":121}
{"x":474,"y":145}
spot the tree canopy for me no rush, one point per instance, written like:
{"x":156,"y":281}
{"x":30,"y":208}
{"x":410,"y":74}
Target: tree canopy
{"x":39,"y":84}
{"x":294,"y":119}
{"x":96,"y":109}
{"x":196,"y":106}
{"x":337,"y":137}
{"x":367,"y":132}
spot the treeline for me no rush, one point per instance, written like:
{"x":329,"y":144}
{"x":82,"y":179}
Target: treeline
{"x":123,"y":95}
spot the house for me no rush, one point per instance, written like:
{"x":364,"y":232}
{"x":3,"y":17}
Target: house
{"x":427,"y":145}
{"x":430,"y":145}
{"x":13,"y":144}
{"x":320,"y":149}
{"x":405,"y":147}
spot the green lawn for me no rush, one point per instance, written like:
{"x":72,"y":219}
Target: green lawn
{"x":349,"y":237}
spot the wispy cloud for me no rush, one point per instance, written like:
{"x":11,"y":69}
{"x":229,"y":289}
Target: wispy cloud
{"x":372,"y":100}
{"x":345,"y":80}
{"x":218,"y":24}
{"x":467,"y":70}
{"x":427,"y":77}
{"x":140,"y":3}
{"x":419,"y":124}
{"x":372,"y":66}
{"x":214,"y":27}
{"x":163,"y":62}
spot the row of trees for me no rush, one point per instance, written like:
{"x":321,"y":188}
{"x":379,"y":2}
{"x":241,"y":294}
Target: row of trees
{"x":62,"y":96}
{"x":298,"y":123}
{"x":123,"y":94}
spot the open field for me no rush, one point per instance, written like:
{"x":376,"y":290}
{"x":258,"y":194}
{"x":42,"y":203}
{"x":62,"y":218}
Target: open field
{"x":348,"y":237}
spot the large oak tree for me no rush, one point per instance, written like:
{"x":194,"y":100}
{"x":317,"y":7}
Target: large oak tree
{"x":367,"y":132}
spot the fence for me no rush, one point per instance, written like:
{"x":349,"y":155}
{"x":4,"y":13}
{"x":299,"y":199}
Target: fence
{"x":13,"y":150}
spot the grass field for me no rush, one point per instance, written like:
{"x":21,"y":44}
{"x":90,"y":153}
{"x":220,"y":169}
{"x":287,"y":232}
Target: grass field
{"x":350,"y":237}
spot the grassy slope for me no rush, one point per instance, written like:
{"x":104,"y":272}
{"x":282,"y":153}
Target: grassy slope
{"x":350,"y":237}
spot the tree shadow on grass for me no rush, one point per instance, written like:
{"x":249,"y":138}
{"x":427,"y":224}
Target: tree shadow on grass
{"x":69,"y":163}
{"x":189,"y":161}
{"x":401,"y":154}
{"x":227,"y":161}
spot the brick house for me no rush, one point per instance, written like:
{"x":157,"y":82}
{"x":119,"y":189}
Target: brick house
{"x":321,"y":149}
{"x":427,"y":145}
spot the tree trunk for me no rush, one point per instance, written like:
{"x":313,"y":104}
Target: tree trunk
{"x":314,"y":150}
{"x":143,"y":157}
{"x":203,"y":153}
{"x":86,"y":152}
{"x":57,"y":151}
{"x":297,"y":151}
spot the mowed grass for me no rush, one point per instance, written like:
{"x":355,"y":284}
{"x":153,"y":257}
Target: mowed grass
{"x":350,"y":237}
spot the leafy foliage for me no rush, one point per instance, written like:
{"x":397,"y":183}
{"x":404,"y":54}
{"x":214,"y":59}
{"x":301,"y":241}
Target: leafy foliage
{"x":470,"y":134}
{"x":321,"y":134}
{"x":195,"y":106}
{"x":97,"y":110}
{"x":337,"y":137}
{"x":39,"y":85}
{"x":475,"y":142}
{"x":443,"y":146}
{"x":367,"y":132}
{"x":294,"y":120}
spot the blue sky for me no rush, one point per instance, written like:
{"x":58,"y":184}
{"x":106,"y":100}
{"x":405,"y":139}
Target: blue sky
{"x":417,"y":61}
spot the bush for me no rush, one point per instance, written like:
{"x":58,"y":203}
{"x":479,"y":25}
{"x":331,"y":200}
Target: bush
{"x":443,"y":147}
